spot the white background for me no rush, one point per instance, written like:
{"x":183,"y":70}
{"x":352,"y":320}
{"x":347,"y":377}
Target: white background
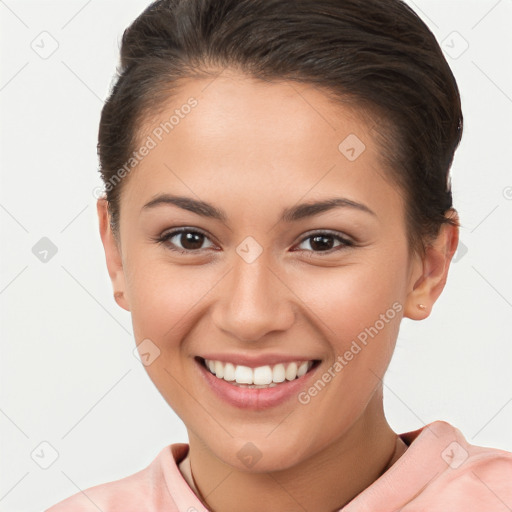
{"x":68,"y":374}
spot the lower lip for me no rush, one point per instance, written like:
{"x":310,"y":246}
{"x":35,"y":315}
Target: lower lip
{"x":254,"y":398}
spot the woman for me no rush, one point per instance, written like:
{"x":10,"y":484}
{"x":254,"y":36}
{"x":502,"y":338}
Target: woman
{"x":277,"y":200}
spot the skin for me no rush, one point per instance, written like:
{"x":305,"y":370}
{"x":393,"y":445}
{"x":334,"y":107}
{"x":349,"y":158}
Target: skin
{"x":253,"y":148}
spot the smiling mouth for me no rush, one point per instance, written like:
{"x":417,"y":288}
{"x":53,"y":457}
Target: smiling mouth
{"x":261,"y":377}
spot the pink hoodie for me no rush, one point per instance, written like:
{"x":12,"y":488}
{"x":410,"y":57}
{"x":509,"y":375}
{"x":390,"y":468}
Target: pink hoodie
{"x":439,"y":472}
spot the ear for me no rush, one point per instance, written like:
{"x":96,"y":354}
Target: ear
{"x":430,"y":271}
{"x":112,"y":254}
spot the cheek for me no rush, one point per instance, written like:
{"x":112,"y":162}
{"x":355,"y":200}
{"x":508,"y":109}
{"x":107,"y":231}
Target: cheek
{"x":358,"y":310}
{"x":164,"y":296}
{"x":347,"y":299}
{"x":361,"y":312}
{"x":166,"y":301}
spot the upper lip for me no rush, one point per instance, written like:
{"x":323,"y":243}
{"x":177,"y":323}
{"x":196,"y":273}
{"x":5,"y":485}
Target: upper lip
{"x":254,"y":361}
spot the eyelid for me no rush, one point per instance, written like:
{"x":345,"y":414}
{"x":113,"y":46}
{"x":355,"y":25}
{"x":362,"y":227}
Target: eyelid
{"x":181,"y":229}
{"x":171,"y":233}
{"x":336,"y":234}
{"x":345,"y":241}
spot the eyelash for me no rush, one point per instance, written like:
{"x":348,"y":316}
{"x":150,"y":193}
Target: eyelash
{"x":163,"y":239}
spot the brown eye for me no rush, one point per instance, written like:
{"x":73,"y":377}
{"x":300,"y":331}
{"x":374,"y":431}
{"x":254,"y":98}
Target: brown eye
{"x":324,"y":242}
{"x":184,"y":240}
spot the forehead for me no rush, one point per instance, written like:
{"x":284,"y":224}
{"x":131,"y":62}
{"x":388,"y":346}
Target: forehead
{"x":241,"y":108}
{"x":280,"y":139}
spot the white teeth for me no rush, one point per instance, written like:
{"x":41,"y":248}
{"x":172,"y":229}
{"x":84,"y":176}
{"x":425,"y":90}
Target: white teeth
{"x":291,"y":371}
{"x":260,"y":377}
{"x":218,"y":369}
{"x":303,"y":368}
{"x":229,"y":371}
{"x":243,"y":375}
{"x":255,"y":386}
{"x":278,"y":373}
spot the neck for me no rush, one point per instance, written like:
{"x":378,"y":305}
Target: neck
{"x":325,"y":482}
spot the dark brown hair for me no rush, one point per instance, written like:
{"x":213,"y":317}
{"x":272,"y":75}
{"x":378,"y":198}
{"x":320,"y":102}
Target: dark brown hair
{"x":375,"y":54}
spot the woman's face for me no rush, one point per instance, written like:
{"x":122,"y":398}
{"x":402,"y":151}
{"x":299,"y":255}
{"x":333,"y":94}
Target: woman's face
{"x":263,"y":279}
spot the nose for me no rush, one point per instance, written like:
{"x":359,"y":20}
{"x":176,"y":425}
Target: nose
{"x":254,"y":300}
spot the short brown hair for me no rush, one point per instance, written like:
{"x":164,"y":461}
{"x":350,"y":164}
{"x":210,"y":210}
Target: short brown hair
{"x":376,"y":54}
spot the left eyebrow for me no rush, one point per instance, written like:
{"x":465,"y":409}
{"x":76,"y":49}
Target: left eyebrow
{"x":315,"y":208}
{"x":291,"y":214}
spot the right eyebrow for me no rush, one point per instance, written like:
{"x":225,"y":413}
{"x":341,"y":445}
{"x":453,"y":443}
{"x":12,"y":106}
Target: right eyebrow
{"x":291,"y":214}
{"x":187,"y":203}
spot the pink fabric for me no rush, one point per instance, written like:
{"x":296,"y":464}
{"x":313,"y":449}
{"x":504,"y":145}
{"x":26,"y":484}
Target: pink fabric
{"x":440,"y":471}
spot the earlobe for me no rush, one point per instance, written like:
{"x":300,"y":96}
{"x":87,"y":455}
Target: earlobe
{"x":430,"y":272}
{"x":113,"y":255}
